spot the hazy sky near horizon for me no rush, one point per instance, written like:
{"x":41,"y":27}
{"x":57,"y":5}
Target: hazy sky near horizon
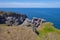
{"x":30,"y":3}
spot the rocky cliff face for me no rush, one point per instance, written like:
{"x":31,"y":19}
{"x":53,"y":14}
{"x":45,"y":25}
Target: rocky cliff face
{"x":11,"y":18}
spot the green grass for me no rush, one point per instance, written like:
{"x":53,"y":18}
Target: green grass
{"x":46,"y":29}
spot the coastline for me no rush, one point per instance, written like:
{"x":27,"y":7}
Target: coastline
{"x":46,"y":31}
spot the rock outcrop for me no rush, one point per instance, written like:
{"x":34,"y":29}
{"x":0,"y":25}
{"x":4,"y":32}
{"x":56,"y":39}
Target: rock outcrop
{"x":11,"y":18}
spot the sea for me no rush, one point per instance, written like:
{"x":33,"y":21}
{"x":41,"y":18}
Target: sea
{"x":49,"y":14}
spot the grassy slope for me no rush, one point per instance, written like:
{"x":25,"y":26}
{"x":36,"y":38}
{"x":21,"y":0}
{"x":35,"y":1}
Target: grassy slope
{"x":16,"y":33}
{"x":48,"y":32}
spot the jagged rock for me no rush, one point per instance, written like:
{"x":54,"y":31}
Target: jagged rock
{"x":2,"y":20}
{"x":16,"y":22}
{"x":27,"y":22}
{"x":9,"y":21}
{"x":36,"y":21}
{"x":11,"y":18}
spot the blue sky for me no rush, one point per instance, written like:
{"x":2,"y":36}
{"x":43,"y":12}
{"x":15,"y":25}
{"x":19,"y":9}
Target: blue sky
{"x":30,"y":3}
{"x":29,"y":0}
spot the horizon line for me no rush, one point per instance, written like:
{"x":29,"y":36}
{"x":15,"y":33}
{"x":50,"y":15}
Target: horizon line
{"x":29,"y":5}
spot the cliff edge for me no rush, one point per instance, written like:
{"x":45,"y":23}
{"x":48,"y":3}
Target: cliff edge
{"x":47,"y":31}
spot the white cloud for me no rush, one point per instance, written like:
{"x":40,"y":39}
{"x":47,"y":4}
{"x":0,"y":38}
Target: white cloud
{"x":29,"y":5}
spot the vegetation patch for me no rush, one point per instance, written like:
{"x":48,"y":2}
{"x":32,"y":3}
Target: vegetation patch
{"x":48,"y":32}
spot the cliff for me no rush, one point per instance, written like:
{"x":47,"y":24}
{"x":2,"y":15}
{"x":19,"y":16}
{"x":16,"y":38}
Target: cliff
{"x":15,"y":32}
{"x":46,"y":30}
{"x":11,"y":17}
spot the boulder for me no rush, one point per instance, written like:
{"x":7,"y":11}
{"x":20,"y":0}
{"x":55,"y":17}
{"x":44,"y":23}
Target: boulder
{"x":27,"y":22}
{"x":9,"y":21}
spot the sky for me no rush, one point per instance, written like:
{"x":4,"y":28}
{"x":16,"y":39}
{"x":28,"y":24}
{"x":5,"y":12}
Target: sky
{"x":30,"y":3}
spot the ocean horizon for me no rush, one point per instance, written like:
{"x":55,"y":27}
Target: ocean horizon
{"x":50,"y":14}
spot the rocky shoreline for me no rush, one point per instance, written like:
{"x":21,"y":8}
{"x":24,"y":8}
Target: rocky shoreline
{"x":12,"y":18}
{"x":46,"y":30}
{"x":15,"y":19}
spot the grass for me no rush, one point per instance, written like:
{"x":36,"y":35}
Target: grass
{"x":16,"y":33}
{"x":47,"y":30}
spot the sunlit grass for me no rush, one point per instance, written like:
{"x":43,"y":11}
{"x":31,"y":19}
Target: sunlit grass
{"x":46,"y":29}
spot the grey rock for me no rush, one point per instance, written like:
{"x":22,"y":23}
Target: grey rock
{"x":11,"y":18}
{"x":36,"y":21}
{"x":9,"y":21}
{"x":27,"y":22}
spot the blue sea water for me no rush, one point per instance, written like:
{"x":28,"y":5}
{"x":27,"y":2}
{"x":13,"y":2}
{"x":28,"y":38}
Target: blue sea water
{"x":50,"y":14}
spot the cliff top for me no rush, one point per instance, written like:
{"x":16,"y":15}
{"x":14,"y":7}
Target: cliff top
{"x":17,"y":33}
{"x":48,"y":32}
